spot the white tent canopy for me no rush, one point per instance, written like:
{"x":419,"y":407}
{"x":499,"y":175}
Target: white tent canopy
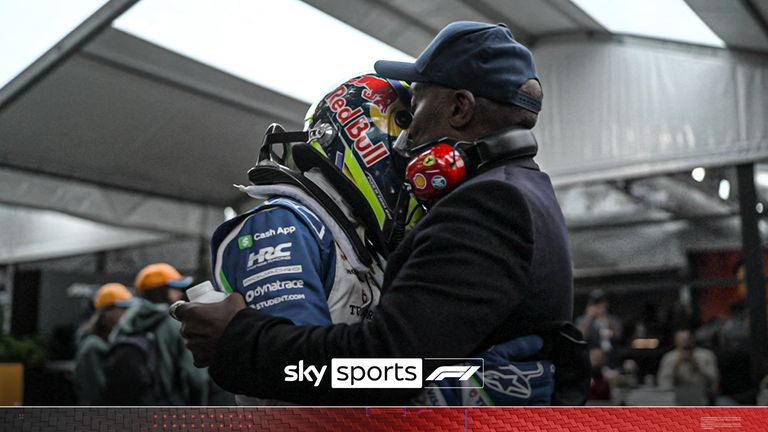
{"x":127,"y":133}
{"x":629,"y":108}
{"x":30,"y":234}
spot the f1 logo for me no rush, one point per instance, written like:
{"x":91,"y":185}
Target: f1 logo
{"x":463,"y":373}
{"x":455,"y":372}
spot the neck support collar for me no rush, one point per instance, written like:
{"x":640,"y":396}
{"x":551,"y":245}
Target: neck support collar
{"x":273,"y":174}
{"x":306,"y":158}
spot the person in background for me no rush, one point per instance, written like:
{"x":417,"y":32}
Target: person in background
{"x":734,"y":354}
{"x":600,"y":388}
{"x":626,"y":380}
{"x":762,"y":393}
{"x":110,"y":303}
{"x":678,"y":316}
{"x":648,"y":324}
{"x":599,"y":327}
{"x":148,"y":363}
{"x":692,"y":372}
{"x":734,"y":345}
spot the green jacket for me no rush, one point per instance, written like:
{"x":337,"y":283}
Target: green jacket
{"x":89,"y":368}
{"x":181,"y":381}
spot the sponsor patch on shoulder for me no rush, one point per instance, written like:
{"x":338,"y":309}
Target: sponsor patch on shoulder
{"x":269,"y":254}
{"x":244,"y":242}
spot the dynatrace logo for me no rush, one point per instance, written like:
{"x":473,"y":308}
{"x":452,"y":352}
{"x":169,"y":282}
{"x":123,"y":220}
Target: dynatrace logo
{"x":390,"y":373}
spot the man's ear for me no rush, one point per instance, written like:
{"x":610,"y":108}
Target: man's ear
{"x":463,"y":110}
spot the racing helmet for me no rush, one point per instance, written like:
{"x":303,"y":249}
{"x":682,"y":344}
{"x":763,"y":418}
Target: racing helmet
{"x":354,"y":127}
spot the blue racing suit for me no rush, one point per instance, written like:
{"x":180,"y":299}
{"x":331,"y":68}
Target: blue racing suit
{"x":289,"y":258}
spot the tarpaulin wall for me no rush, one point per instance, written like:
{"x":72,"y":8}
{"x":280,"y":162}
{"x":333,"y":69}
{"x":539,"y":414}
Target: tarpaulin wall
{"x":630,"y":107}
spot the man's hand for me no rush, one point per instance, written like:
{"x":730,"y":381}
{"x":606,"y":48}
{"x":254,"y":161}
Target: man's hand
{"x":203,"y":324}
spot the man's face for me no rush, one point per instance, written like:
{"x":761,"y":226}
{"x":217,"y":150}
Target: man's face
{"x":602,"y":308}
{"x":682,"y":339}
{"x":431,"y":105}
{"x":111,"y":316}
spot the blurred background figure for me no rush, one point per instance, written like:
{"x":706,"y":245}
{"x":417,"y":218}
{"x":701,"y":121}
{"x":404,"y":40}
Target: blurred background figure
{"x":762,"y":394}
{"x":110,"y":303}
{"x":677,"y":317}
{"x":600,"y":328}
{"x":161,"y":283}
{"x":626,"y":381}
{"x":734,"y":342}
{"x":148,"y":363}
{"x":600,"y":388}
{"x":692,"y":372}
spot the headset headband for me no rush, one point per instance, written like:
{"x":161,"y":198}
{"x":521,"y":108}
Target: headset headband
{"x":513,"y":142}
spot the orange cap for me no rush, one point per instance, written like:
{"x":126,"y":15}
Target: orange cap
{"x":158,"y":275}
{"x":112,"y":294}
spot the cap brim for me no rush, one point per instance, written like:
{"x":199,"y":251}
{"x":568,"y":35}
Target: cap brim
{"x":125,"y":303}
{"x":184,"y":282}
{"x":398,"y":70}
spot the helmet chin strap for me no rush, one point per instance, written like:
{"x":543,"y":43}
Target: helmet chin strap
{"x":402,"y":143}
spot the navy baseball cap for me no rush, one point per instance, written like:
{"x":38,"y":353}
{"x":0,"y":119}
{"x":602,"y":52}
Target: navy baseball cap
{"x":482,"y":58}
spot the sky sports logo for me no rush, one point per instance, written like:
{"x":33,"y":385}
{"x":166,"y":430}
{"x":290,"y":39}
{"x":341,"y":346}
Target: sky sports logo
{"x":391,"y":373}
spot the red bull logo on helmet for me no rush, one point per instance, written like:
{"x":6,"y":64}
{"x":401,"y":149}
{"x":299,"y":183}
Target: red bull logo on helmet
{"x":338,"y":105}
{"x":377,"y":91}
{"x":355,"y":125}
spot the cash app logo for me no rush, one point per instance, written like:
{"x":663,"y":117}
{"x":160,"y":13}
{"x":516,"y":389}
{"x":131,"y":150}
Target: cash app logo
{"x":244,"y":242}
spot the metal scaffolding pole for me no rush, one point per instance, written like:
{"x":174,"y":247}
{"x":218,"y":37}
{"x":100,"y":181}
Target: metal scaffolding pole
{"x":752,"y":251}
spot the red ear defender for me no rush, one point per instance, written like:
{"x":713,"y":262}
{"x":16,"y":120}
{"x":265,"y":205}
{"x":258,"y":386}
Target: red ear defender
{"x":436,"y":171}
